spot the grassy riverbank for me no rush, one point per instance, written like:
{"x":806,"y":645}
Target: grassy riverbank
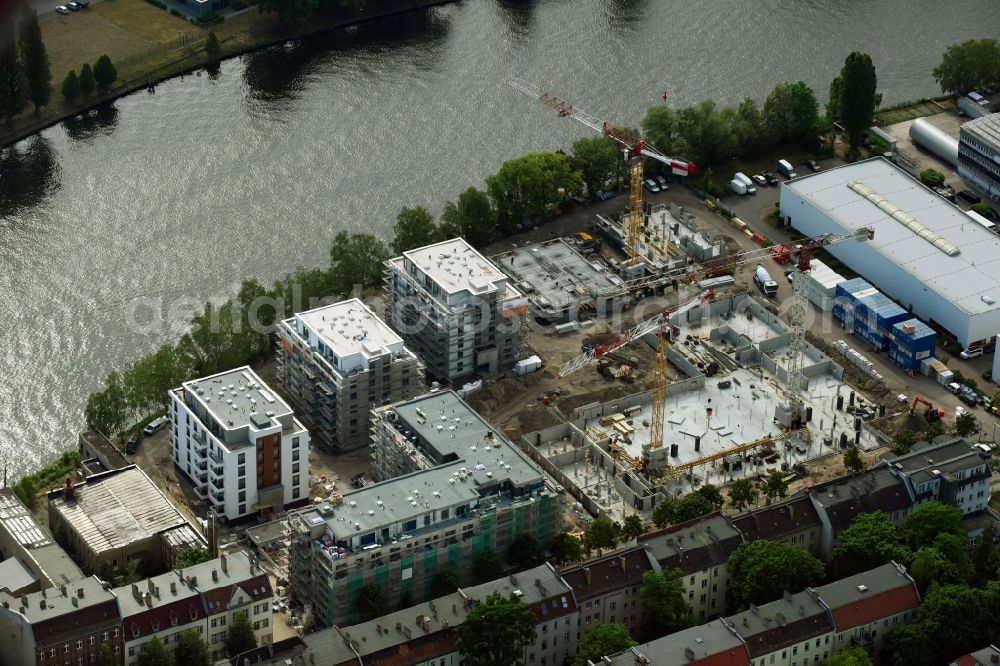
{"x":146,"y":42}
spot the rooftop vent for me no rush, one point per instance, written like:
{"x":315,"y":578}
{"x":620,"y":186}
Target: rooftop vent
{"x":862,"y":588}
{"x":905,"y":219}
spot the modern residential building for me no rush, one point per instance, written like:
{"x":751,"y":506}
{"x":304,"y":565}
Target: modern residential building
{"x":698,"y":548}
{"x":203,"y":597}
{"x":927,"y":254}
{"x":423,"y":634}
{"x":23,"y":538}
{"x":120,"y":516}
{"x":952,"y":470}
{"x":608,"y":590}
{"x":799,"y":629}
{"x":455,"y":309}
{"x":465,"y":491}
{"x":60,"y":625}
{"x":339,"y":361}
{"x":979,"y":154}
{"x":239,"y":444}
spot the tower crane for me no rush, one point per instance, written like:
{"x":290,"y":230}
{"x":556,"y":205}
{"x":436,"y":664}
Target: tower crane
{"x":634,"y":149}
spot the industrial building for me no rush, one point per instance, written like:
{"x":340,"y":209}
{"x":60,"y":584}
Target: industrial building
{"x":979,"y":154}
{"x":239,"y":443}
{"x":454,"y":309}
{"x":450,"y":488}
{"x":335,"y":363}
{"x":561,"y":283}
{"x":29,"y":546}
{"x":927,"y":255}
{"x":121,"y":516}
{"x":723,"y":416}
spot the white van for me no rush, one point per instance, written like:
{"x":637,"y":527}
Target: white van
{"x":737,"y":186}
{"x":785,"y":169}
{"x":743,"y":178}
{"x":155,"y":425}
{"x":978,"y":99}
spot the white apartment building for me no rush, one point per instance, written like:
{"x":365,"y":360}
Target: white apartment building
{"x":239,"y":443}
{"x":455,"y":309}
{"x":336,"y":363}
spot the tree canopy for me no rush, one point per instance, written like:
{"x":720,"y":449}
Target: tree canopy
{"x":761,"y":571}
{"x":868,"y":542}
{"x":632,"y":527}
{"x":857,"y":96}
{"x":852,"y":460}
{"x":356,"y":259}
{"x":495,"y":632}
{"x":240,"y":637}
{"x":664,"y":513}
{"x":35,"y":59}
{"x":71,"y":86}
{"x":600,"y":533}
{"x":790,"y":112}
{"x":472,"y":217}
{"x":970,"y":65}
{"x":663,"y":597}
{"x":604,"y":639}
{"x":566,"y":548}
{"x":415,"y":227}
{"x":525,"y":186}
{"x":191,"y":649}
{"x":743,"y":494}
{"x":922,"y":525}
{"x":932,"y":177}
{"x":13,"y":82}
{"x":966,"y":424}
{"x":105,"y":72}
{"x":525,"y":552}
{"x":775,"y":486}
{"x":487,"y":567}
{"x":851,"y":657}
{"x":190,"y":557}
{"x":87,"y":82}
{"x":155,"y":653}
{"x":598,"y":162}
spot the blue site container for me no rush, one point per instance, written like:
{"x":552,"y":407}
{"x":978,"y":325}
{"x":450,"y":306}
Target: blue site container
{"x":913,"y":341}
{"x":848,"y":288}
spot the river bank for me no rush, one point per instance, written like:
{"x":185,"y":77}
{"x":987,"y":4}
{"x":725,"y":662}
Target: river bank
{"x":149,"y":46}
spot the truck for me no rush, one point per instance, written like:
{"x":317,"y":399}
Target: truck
{"x":785,"y":169}
{"x":743,"y":178}
{"x":737,"y":186}
{"x":764,"y":282}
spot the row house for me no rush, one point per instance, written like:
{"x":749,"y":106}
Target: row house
{"x":608,"y":590}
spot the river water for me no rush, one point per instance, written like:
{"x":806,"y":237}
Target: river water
{"x":113,"y":227}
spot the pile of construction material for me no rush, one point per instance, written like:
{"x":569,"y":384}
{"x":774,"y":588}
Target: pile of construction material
{"x":823,"y":282}
{"x":856,"y":358}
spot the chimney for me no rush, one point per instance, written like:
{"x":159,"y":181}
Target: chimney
{"x":215,"y":576}
{"x":79,"y":592}
{"x":74,"y":601}
{"x":586,"y":574}
{"x":621,"y":561}
{"x":149,"y":584}
{"x":68,"y":489}
{"x":222,"y":561}
{"x":791,"y":512}
{"x":173,"y":587}
{"x":995,"y":658}
{"x":135,"y":590}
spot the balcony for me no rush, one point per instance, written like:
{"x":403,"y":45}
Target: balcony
{"x":217,"y":482}
{"x":217,"y":499}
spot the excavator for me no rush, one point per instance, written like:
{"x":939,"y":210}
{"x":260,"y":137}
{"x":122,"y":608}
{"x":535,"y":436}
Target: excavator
{"x":931,"y":414}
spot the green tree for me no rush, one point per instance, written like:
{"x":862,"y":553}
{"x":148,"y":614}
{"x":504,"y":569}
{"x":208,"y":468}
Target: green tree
{"x":903,"y":441}
{"x":756,"y":137}
{"x":35,"y":59}
{"x":524,"y":187}
{"x":190,"y":557}
{"x":852,"y":657}
{"x":972,"y":64}
{"x":966,"y":424}
{"x":371,"y":602}
{"x":212,"y":47}
{"x":107,"y":410}
{"x":105,"y":657}
{"x":984,"y":556}
{"x":600,"y":533}
{"x":566,"y":548}
{"x":632,"y":527}
{"x":953,"y":620}
{"x":857,"y":97}
{"x":743,"y":494}
{"x":487,"y":567}
{"x":761,"y":571}
{"x":929,"y":565}
{"x":712,"y":495}
{"x":445,"y":582}
{"x":852,"y":460}
{"x":932,"y":430}
{"x":496,"y":632}
{"x":356,"y":259}
{"x":293,"y":12}
{"x":709,"y":133}
{"x":240,"y":637}
{"x":525,"y":552}
{"x":835,"y":98}
{"x":415,"y":227}
{"x":665,"y":513}
{"x":868,"y":542}
{"x":105,"y":72}
{"x":597,"y":159}
{"x":71,"y":86}
{"x":790,"y":112}
{"x":128,"y":574}
{"x":928,"y":520}
{"x":775,"y":486}
{"x":691,"y":506}
{"x":984,"y":210}
{"x":472,"y":217}
{"x":932,"y":177}
{"x":155,"y":653}
{"x":661,"y":127}
{"x":663,"y":597}
{"x":13,"y":83}
{"x":87,"y":82}
{"x":191,"y":649}
{"x":604,"y":639}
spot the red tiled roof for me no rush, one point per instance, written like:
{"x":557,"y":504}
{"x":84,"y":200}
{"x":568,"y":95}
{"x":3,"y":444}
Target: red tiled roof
{"x":554,"y":606}
{"x":607,"y":574}
{"x":729,"y":658}
{"x":416,"y":651}
{"x":81,"y":622}
{"x":876,"y":607}
{"x":777,"y":521}
{"x":967,"y":660}
{"x":153,"y":620}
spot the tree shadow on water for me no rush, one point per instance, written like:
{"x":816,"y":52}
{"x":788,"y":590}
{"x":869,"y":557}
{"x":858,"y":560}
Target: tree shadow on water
{"x":99,"y":121}
{"x":29,"y":172}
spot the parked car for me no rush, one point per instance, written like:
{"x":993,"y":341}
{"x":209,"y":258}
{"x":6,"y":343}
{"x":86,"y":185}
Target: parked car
{"x":954,"y":387}
{"x":813,"y":165}
{"x":61,"y":9}
{"x":970,"y":400}
{"x":73,"y":5}
{"x":971,"y":352}
{"x":771,"y":177}
{"x":786,"y":169}
{"x":83,"y":3}
{"x":651,"y":185}
{"x":759,"y":179}
{"x":662,"y":182}
{"x":133,"y":444}
{"x":604,"y":196}
{"x":155,"y":426}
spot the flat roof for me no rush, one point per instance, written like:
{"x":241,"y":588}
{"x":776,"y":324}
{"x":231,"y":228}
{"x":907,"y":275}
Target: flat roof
{"x":963,"y":279}
{"x":863,"y":585}
{"x":238,"y":398}
{"x":350,"y":327}
{"x":945,"y":457}
{"x":700,"y":543}
{"x":52,"y":602}
{"x":456,"y":266}
{"x":986,"y":129}
{"x":703,"y":642}
{"x":467,"y":459}
{"x":15,"y":575}
{"x":554,"y":274}
{"x":117,"y":508}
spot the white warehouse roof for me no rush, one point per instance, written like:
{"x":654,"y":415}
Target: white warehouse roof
{"x":969,"y":278}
